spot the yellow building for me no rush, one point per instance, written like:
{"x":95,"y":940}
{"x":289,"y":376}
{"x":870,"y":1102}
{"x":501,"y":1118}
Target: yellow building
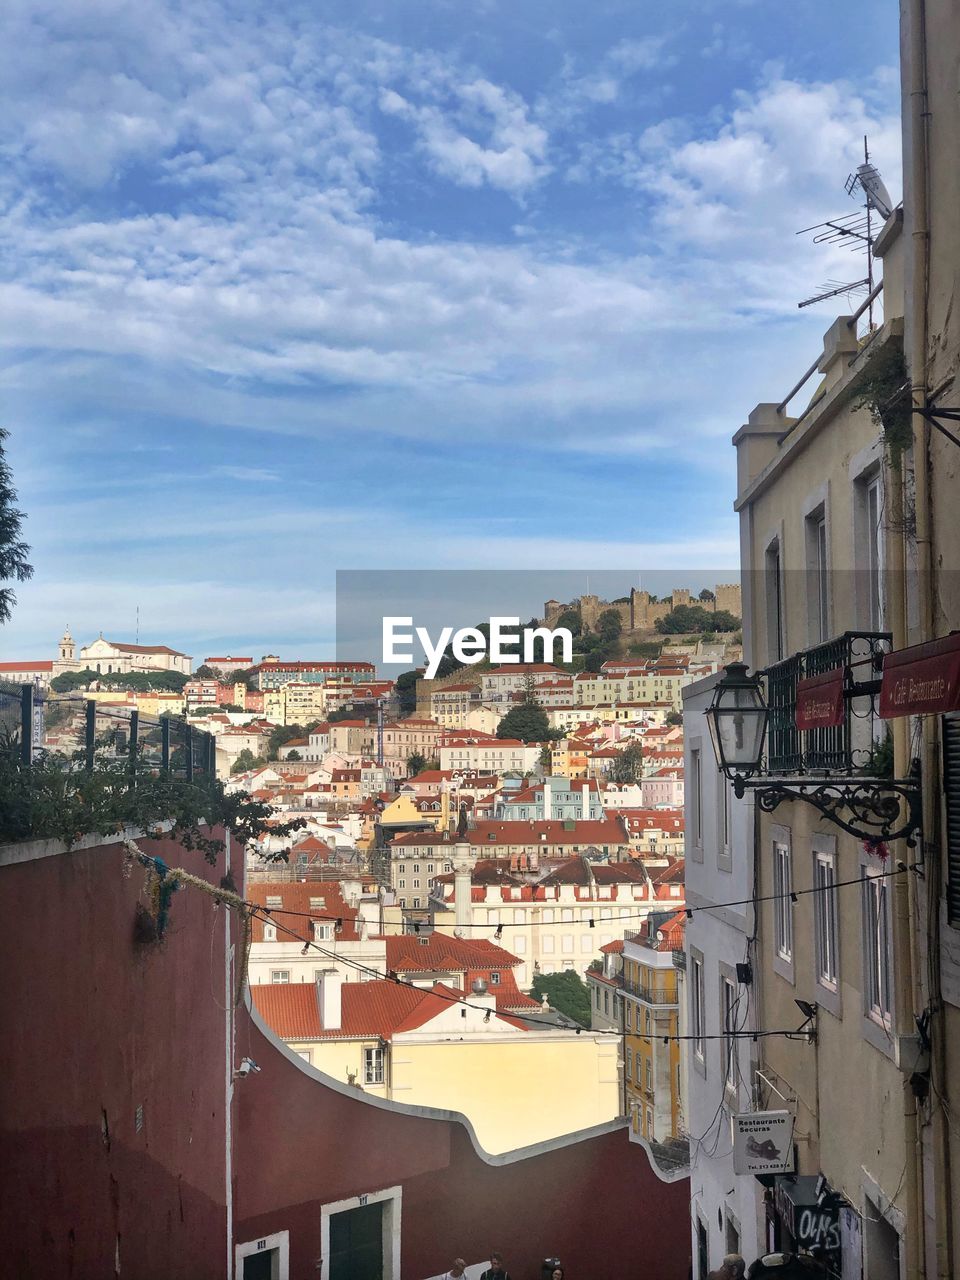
{"x":295,"y":703}
{"x":651,"y":1011}
{"x":517,"y":1084}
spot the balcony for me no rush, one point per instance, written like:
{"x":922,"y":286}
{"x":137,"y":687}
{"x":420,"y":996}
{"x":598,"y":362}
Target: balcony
{"x":846,"y":748}
{"x":650,"y":995}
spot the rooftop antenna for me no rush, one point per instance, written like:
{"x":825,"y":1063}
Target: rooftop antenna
{"x":855,"y":230}
{"x":137,"y":640}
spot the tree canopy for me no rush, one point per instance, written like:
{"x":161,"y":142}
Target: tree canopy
{"x":628,"y":765}
{"x":526,"y":721}
{"x":14,"y":565}
{"x":566,"y":992}
{"x":246,"y":760}
{"x":688,"y":618}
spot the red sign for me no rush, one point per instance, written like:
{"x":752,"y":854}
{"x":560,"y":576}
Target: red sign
{"x":922,"y":680}
{"x":820,"y":700}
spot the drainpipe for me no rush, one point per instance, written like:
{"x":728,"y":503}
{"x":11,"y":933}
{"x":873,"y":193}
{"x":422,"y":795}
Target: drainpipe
{"x":918,"y":314}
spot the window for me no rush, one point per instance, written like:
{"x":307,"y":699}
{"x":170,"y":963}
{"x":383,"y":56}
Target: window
{"x":403,"y":884}
{"x":606,"y":1002}
{"x":648,"y":1074}
{"x":696,"y":813}
{"x":783,"y":902}
{"x":876,"y":951}
{"x":416,"y":902}
{"x":269,"y":933}
{"x":628,"y":1064}
{"x":279,"y":975}
{"x":304,"y":1054}
{"x":629,"y":1016}
{"x":825,"y":918}
{"x":873,"y":513}
{"x":548,"y":945}
{"x":728,"y":1011}
{"x":416,"y":884}
{"x":566,"y":915}
{"x":322,"y":932}
{"x":373,"y":1066}
{"x":494,"y":979}
{"x":696,"y":1007}
{"x":566,"y":944}
{"x":773,"y":576}
{"x":818,"y":580}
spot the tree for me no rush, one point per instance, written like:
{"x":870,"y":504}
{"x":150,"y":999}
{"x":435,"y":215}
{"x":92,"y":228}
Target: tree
{"x":527,"y":721}
{"x":674,"y":717}
{"x":204,"y":672}
{"x":68,"y":681}
{"x":294,"y":755}
{"x":14,"y":565}
{"x":723,"y":620}
{"x":246,"y":760}
{"x":689,"y":618}
{"x":707,"y":595}
{"x":609,"y":626}
{"x":566,"y":992}
{"x":248,"y":677}
{"x":281,"y":734}
{"x":416,"y":763}
{"x":406,"y":690}
{"x":570,"y":618}
{"x":627,"y":767}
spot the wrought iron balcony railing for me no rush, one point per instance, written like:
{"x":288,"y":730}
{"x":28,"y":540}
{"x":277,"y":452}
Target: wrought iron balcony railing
{"x":841,"y":749}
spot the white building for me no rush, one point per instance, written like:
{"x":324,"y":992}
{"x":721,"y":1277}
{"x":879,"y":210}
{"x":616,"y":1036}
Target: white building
{"x":726,"y":1210}
{"x":117,"y":657}
{"x":479,"y":754}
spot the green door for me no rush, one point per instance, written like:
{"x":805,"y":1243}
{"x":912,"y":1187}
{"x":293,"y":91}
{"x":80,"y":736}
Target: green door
{"x":356,"y":1243}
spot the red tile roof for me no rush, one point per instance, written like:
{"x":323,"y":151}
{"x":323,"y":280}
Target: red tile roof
{"x":41,"y":665}
{"x":295,"y":896}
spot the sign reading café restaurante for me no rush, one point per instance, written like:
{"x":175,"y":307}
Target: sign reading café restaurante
{"x":922,"y":680}
{"x":820,"y":700}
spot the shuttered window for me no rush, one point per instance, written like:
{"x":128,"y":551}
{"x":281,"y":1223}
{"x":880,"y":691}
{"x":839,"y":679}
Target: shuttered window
{"x":951,"y":790}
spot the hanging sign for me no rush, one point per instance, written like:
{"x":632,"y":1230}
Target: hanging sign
{"x":922,"y":680}
{"x":820,"y":700}
{"x":763,"y":1142}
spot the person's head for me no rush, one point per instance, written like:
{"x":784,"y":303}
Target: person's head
{"x":734,"y":1266}
{"x":556,"y":1273}
{"x":458,"y":1268}
{"x":496,"y":1261}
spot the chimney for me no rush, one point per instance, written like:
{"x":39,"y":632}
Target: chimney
{"x":329,"y":999}
{"x":547,"y":801}
{"x":585,"y":795}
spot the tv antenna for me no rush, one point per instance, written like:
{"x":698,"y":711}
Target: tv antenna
{"x":855,"y":230}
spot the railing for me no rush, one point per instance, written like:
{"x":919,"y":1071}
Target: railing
{"x":32,"y":722}
{"x":843,"y":748}
{"x":650,"y":995}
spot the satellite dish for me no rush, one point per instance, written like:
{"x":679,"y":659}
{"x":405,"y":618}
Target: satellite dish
{"x":878,"y":197}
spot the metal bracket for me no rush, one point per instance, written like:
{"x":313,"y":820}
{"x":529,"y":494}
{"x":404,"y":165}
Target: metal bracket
{"x":931,"y":413}
{"x":874,"y":805}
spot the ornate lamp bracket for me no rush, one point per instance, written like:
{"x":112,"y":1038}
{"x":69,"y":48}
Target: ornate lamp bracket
{"x":872,"y":809}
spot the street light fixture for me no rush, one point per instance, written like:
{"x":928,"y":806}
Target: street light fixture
{"x":737,"y":719}
{"x":870,"y":808}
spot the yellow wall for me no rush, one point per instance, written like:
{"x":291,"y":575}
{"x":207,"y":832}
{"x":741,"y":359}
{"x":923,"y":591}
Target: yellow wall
{"x":514,"y":1090}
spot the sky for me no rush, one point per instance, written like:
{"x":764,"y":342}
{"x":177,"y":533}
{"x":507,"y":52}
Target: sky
{"x":385,"y":284}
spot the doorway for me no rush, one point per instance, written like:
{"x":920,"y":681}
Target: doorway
{"x":356,"y":1243}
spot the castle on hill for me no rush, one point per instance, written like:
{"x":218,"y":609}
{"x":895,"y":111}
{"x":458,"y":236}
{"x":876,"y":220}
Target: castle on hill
{"x":641,"y":610}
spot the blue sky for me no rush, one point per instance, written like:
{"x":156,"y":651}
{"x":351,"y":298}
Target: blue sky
{"x":296,"y":288}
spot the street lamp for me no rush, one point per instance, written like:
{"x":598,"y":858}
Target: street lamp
{"x":873,"y":809}
{"x":737,"y":719}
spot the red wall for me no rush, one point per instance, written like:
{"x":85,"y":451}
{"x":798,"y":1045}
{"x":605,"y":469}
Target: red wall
{"x":96,"y":1025}
{"x":93,"y":1027}
{"x":595,"y":1204}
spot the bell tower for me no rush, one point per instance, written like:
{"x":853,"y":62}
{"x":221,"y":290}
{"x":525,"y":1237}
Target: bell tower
{"x":68,"y":649}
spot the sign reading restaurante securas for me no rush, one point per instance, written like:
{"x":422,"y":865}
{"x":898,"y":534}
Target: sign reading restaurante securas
{"x":820,"y":700}
{"x":922,"y":680}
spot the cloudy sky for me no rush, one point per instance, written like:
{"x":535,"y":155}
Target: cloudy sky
{"x":292,"y":288}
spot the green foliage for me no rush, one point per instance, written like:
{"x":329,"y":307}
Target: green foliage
{"x":406,"y":690}
{"x":883,"y":387}
{"x":343,"y":713}
{"x":203,"y":672}
{"x":294,"y":755}
{"x":596,"y":966}
{"x":249,"y":678}
{"x":707,"y":595}
{"x":609,"y":625}
{"x":56,"y":797}
{"x":628,"y":765}
{"x":645,"y":649}
{"x":14,"y":566}
{"x":880,"y":764}
{"x":416,"y":763}
{"x":246,"y":760}
{"x":674,"y":717}
{"x":570,"y":618}
{"x":526,"y":721}
{"x":68,"y":681}
{"x":688,"y":618}
{"x":281,"y":734}
{"x":566,"y":992}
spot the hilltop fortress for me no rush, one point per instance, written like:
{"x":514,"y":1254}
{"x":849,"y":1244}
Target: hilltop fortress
{"x":641,"y":610}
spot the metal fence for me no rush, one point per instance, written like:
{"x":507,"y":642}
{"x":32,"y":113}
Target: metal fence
{"x":843,"y":748}
{"x":33,"y":723}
